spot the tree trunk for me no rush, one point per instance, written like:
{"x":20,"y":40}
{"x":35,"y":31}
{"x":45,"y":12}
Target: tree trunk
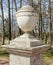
{"x":15,"y":5}
{"x":9,"y":19}
{"x":31,"y":2}
{"x":3,"y":36}
{"x":40,"y":22}
{"x":20,"y":3}
{"x":20,"y":32}
{"x":12,"y":19}
{"x":50,"y":22}
{"x":20,"y":7}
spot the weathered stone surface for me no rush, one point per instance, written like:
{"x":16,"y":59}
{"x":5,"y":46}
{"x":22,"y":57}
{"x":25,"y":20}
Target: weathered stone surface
{"x":26,"y":42}
{"x":21,"y":60}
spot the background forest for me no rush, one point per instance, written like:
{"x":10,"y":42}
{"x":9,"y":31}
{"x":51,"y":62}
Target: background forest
{"x":44,"y":27}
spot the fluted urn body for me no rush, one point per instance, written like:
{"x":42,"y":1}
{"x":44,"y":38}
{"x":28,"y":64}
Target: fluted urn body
{"x":26,"y":18}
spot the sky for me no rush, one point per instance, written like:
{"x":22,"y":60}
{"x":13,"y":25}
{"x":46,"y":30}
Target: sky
{"x":24,"y":2}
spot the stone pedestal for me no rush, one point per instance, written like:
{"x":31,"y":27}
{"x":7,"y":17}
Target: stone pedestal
{"x":26,"y":49}
{"x":22,"y":60}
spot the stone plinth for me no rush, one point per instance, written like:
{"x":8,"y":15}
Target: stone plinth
{"x":26,"y":51}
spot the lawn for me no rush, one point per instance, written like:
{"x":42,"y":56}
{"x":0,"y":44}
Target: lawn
{"x":48,"y":57}
{"x":3,"y":53}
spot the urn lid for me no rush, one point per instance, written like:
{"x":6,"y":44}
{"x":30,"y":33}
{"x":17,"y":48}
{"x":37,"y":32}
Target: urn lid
{"x":27,"y":8}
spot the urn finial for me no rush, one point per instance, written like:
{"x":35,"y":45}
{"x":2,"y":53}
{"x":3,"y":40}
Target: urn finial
{"x":26,"y":18}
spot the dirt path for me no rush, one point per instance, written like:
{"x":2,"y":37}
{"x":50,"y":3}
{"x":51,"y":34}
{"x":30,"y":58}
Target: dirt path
{"x":4,"y":61}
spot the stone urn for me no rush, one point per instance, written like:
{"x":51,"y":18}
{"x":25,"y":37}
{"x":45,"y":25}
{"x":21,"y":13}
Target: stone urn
{"x":26,"y":50}
{"x":26,"y":18}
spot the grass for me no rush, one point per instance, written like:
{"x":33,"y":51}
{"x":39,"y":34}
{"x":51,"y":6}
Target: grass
{"x":3,"y":53}
{"x":48,"y":57}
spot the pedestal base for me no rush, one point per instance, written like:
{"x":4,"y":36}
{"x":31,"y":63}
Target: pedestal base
{"x":26,"y":51}
{"x":21,"y":60}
